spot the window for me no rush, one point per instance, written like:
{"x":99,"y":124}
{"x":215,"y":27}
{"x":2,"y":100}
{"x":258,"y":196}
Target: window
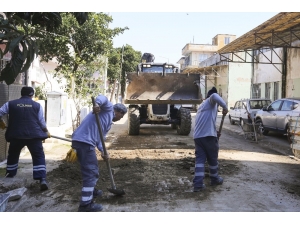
{"x":276,"y":90}
{"x":267,"y":90}
{"x":275,"y":106}
{"x":227,"y":40}
{"x":202,"y":57}
{"x":259,"y":104}
{"x":237,"y":105}
{"x":287,"y":106}
{"x":256,"y":91}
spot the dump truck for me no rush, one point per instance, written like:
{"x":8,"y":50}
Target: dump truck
{"x":158,"y":94}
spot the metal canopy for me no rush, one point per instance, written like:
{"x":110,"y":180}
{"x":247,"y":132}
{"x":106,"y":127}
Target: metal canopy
{"x":279,"y":31}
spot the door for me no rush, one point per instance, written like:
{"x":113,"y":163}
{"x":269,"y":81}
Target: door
{"x":270,"y":116}
{"x":284,"y":114}
{"x":237,"y":109}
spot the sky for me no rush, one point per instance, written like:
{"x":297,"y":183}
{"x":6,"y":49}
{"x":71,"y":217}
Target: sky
{"x":163,"y":28}
{"x":165,"y":34}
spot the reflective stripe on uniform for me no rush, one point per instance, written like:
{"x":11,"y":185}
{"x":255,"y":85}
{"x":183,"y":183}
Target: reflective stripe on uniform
{"x":12,"y":167}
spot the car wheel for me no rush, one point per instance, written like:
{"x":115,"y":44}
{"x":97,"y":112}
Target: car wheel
{"x":241,"y":122}
{"x":231,"y":121}
{"x":262,"y":130}
{"x":289,"y":134}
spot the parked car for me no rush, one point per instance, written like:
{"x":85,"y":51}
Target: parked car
{"x":276,"y":116}
{"x":238,"y":113}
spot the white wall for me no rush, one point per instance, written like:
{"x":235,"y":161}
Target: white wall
{"x":239,"y":82}
{"x":265,"y":73}
{"x":293,"y":72}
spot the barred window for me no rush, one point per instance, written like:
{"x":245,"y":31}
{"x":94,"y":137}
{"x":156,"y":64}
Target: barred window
{"x":256,"y":91}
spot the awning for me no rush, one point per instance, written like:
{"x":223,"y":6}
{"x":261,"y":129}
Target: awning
{"x":279,"y":31}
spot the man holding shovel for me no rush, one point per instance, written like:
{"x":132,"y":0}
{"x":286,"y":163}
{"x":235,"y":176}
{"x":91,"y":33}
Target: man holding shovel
{"x":206,"y":139}
{"x":84,"y":139}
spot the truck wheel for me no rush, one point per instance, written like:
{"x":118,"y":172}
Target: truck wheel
{"x":133,"y":121}
{"x":184,"y":128}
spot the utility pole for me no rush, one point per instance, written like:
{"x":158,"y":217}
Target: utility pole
{"x":119,"y":85}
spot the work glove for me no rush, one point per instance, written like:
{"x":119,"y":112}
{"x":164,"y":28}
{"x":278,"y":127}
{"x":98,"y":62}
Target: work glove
{"x":224,"y":112}
{"x":104,"y":157}
{"x":96,"y":109}
{"x":2,"y":124}
{"x":48,"y":134}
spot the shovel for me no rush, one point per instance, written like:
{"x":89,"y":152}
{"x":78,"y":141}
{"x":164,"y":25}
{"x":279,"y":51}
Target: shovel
{"x":221,"y":124}
{"x":113,"y":188}
{"x":61,"y":138}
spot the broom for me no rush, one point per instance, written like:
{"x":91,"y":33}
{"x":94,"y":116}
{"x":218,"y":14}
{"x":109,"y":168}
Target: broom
{"x":71,"y":154}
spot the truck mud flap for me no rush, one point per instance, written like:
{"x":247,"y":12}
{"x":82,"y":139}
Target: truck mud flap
{"x":154,"y":88}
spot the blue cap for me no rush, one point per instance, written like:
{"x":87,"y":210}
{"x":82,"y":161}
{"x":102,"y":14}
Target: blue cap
{"x":120,"y":108}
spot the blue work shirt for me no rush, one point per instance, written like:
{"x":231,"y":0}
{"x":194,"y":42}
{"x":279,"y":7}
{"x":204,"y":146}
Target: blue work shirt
{"x":205,"y":122}
{"x":88,"y":132}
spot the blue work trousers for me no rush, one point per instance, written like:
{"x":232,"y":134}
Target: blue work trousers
{"x":89,"y":170}
{"x":36,"y":150}
{"x":207,"y":149}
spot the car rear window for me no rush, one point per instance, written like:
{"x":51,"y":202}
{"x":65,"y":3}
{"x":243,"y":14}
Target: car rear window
{"x":259,"y":104}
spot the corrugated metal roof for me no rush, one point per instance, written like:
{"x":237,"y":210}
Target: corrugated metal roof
{"x":285,"y":26}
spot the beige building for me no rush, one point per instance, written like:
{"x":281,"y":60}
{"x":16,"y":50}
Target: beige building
{"x":193,"y":54}
{"x":263,"y":63}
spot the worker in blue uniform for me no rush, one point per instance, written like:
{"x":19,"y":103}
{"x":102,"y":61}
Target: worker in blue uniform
{"x":85,"y":139}
{"x":206,"y":138}
{"x":26,"y":127}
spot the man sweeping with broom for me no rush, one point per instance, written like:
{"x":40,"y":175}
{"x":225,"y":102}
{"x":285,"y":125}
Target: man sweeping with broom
{"x":84,"y":140}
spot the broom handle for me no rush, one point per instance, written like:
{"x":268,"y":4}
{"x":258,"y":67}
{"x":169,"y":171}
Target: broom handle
{"x":103,"y":146}
{"x":61,"y":138}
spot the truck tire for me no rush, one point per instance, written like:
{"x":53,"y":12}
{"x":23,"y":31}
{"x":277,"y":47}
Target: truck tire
{"x":173,"y":126}
{"x":133,"y":121}
{"x":184,"y":128}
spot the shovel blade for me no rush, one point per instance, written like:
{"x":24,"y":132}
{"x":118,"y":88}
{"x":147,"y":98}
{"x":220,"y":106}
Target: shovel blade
{"x":117,"y":192}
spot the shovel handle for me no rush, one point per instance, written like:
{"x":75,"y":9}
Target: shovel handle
{"x":61,"y":138}
{"x":103,"y":146}
{"x":221,"y":124}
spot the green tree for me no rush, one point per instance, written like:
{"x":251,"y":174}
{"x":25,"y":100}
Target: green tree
{"x":20,"y":31}
{"x":80,"y":51}
{"x":131,"y":58}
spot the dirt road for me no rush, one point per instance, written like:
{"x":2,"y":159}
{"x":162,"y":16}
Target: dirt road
{"x":154,"y":169}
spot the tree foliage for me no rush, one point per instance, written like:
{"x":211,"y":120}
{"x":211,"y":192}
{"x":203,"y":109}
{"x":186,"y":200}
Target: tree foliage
{"x":131,"y":58}
{"x":80,"y":51}
{"x":20,"y":31}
